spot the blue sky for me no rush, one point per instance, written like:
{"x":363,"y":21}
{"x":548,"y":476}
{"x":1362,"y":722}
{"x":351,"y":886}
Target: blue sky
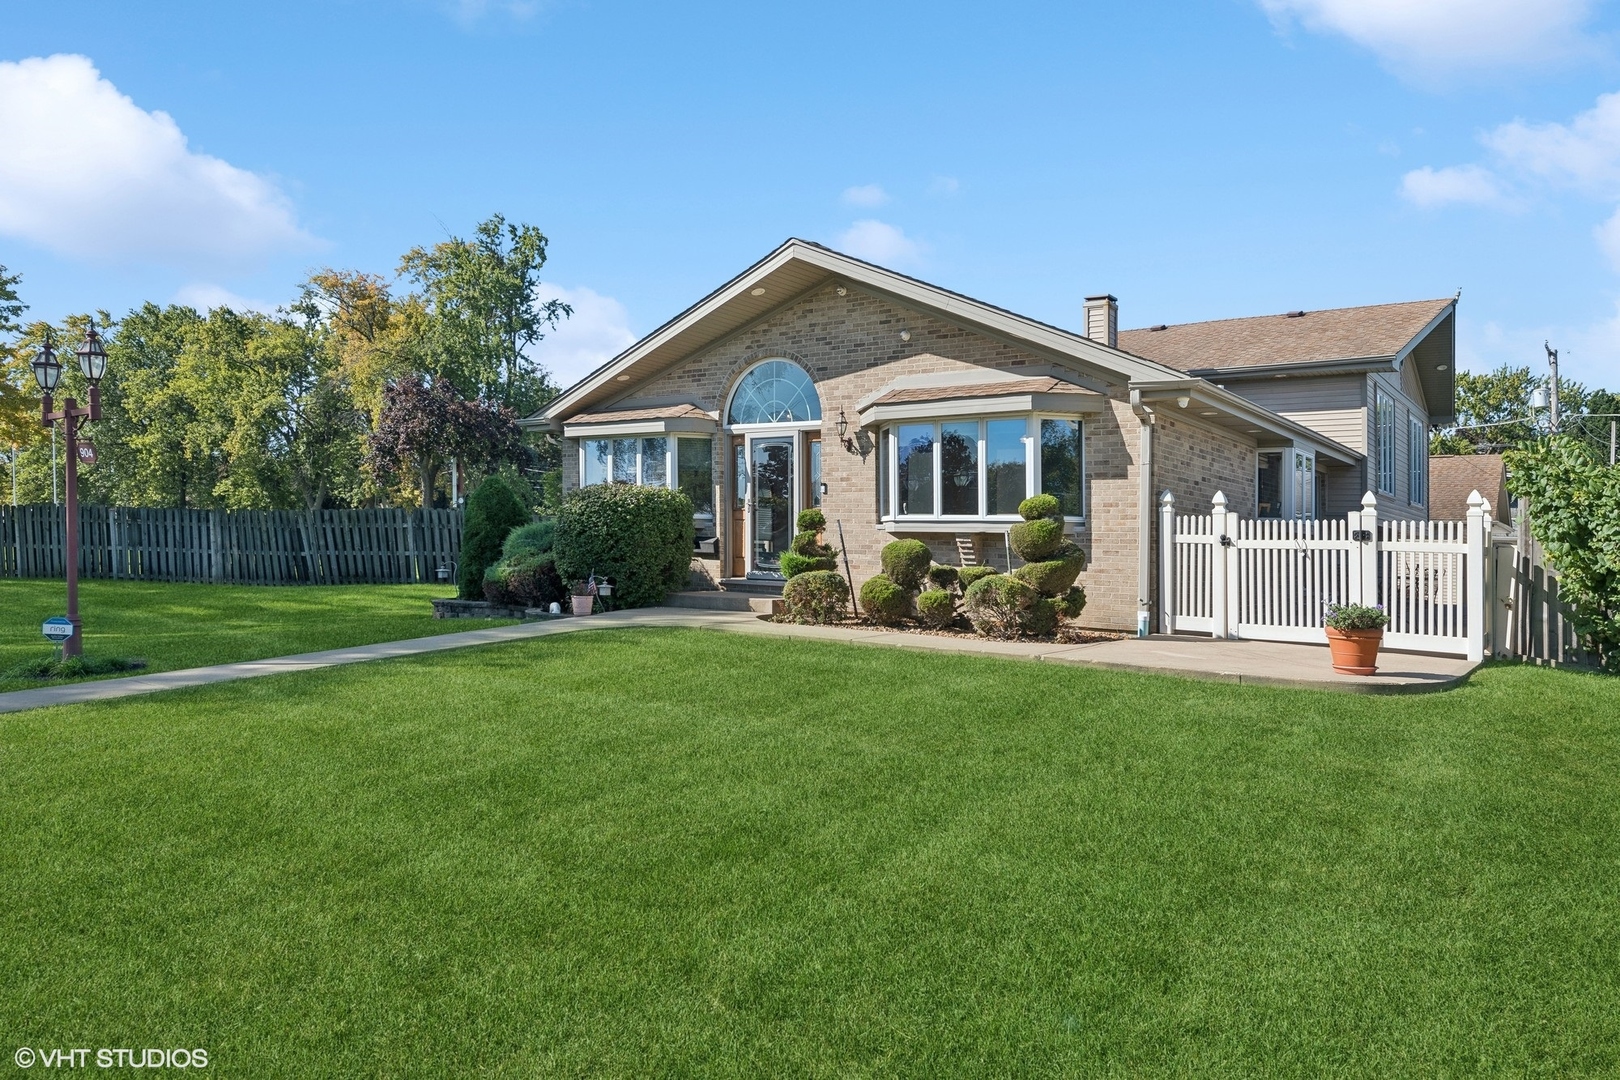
{"x":1199,"y":160}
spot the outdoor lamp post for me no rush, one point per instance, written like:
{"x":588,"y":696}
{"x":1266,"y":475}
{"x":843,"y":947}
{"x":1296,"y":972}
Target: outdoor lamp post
{"x":48,"y":373}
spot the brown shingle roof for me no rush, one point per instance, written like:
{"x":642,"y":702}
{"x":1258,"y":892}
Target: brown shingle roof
{"x":1453,"y":477}
{"x":622,"y":416}
{"x":981,"y":390}
{"x":1336,"y":334}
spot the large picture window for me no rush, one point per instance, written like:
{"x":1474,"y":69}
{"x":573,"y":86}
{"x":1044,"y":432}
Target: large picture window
{"x":979,"y":468}
{"x":685,"y":464}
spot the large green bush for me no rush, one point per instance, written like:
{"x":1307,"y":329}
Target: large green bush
{"x":905,"y":562}
{"x":1575,"y":516}
{"x":493,"y":510}
{"x":819,"y":597}
{"x":884,"y":602}
{"x":524,"y":581}
{"x":1051,"y":564}
{"x":640,"y":537}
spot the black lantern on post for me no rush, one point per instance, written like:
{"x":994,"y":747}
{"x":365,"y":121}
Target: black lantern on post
{"x":48,"y":373}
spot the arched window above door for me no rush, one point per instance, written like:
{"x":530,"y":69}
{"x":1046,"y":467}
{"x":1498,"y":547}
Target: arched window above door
{"x":774,"y":392}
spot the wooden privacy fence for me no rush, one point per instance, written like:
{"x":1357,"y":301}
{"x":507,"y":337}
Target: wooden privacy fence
{"x":1272,"y":580}
{"x":250,"y":547}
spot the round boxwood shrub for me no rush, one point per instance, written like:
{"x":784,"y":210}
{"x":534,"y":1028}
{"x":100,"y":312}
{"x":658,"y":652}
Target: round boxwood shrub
{"x":906,"y":562}
{"x":884,"y":602}
{"x":1035,"y":540}
{"x":493,"y":511}
{"x":536,"y":538}
{"x":969,"y":574}
{"x":1054,"y":576}
{"x":812,"y":520}
{"x":936,"y":609}
{"x":641,"y":537}
{"x":1040,"y":506}
{"x":943,"y":577}
{"x":997,"y":605}
{"x":819,"y":597}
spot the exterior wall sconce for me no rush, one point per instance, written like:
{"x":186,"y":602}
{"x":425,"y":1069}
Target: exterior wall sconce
{"x":859,"y":444}
{"x":1183,"y":401}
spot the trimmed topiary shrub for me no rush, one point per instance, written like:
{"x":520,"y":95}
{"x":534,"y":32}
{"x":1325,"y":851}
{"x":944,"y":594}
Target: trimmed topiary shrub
{"x":936,"y":608}
{"x":943,"y":577}
{"x":641,"y":537}
{"x":969,"y":574}
{"x":493,"y":511}
{"x":808,"y":553}
{"x":1040,"y":506}
{"x":884,"y":602}
{"x":536,"y":538}
{"x":998,"y":605}
{"x":906,"y":562}
{"x":1036,"y":540}
{"x":818,"y":597}
{"x":1041,"y":619}
{"x":1054,"y":576}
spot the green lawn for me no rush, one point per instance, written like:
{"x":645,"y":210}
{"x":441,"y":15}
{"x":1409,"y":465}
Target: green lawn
{"x":686,"y":853}
{"x":180,"y":626}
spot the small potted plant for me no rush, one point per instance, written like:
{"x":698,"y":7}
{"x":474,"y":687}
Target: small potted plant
{"x":1354,"y":633}
{"x":584,"y":596}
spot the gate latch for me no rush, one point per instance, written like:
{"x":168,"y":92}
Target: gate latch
{"x":1226,"y":541}
{"x":1363,"y":536}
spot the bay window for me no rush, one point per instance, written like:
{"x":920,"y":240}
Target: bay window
{"x":684,"y":464}
{"x":979,"y":469}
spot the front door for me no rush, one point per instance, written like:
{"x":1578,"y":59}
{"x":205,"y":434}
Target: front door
{"x":770,"y":502}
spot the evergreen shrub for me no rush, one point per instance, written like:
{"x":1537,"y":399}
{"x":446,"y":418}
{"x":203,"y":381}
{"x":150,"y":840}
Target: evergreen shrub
{"x":493,"y":511}
{"x":818,"y":597}
{"x":906,"y":562}
{"x":885,"y":602}
{"x":936,"y":609}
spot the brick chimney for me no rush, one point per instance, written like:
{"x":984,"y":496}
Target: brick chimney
{"x":1102,"y":319}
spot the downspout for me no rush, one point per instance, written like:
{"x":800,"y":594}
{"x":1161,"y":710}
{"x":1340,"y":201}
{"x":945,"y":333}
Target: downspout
{"x":1144,"y":517}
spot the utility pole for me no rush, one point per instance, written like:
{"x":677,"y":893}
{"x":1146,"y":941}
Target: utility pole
{"x":1552,"y":358}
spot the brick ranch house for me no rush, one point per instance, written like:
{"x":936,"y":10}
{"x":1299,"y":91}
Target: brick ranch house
{"x":903,"y":409}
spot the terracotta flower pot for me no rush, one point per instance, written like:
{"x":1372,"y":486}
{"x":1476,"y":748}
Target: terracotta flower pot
{"x":583,"y":604}
{"x":1355,"y":652}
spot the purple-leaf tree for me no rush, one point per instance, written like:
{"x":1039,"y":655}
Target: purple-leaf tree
{"x":425,"y":425}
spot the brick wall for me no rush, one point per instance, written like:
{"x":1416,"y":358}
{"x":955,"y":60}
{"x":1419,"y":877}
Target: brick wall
{"x":851,"y":347}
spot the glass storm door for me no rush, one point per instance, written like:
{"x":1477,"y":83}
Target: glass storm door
{"x":770,"y":502}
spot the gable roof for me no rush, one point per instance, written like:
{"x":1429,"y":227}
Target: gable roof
{"x":1453,"y":477}
{"x":1377,"y":331}
{"x":793,"y":269}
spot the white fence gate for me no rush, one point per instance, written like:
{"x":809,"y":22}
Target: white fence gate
{"x":1272,"y":580}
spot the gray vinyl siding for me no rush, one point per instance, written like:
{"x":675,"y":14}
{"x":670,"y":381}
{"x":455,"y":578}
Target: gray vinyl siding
{"x":1332,"y":405}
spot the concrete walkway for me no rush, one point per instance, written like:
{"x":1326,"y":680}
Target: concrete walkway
{"x":1253,"y":662}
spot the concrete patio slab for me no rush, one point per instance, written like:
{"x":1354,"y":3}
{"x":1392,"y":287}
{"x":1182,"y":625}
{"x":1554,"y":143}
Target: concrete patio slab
{"x":1261,"y":663}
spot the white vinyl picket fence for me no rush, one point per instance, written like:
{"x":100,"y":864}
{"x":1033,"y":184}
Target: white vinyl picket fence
{"x":1272,"y":580}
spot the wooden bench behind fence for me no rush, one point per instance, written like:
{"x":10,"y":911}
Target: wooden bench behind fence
{"x":248,"y":547}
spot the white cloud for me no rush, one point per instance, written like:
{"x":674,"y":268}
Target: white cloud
{"x":598,"y":331}
{"x":944,"y":185}
{"x":879,"y":242}
{"x":1423,"y":39}
{"x":866,"y":195}
{"x":1472,"y":184}
{"x":1585,"y":153}
{"x":205,"y":296}
{"x":88,"y":173}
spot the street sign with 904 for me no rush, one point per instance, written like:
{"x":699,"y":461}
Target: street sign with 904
{"x":57,"y":629}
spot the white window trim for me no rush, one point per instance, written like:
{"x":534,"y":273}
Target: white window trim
{"x":889,"y":447}
{"x":672,"y":459}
